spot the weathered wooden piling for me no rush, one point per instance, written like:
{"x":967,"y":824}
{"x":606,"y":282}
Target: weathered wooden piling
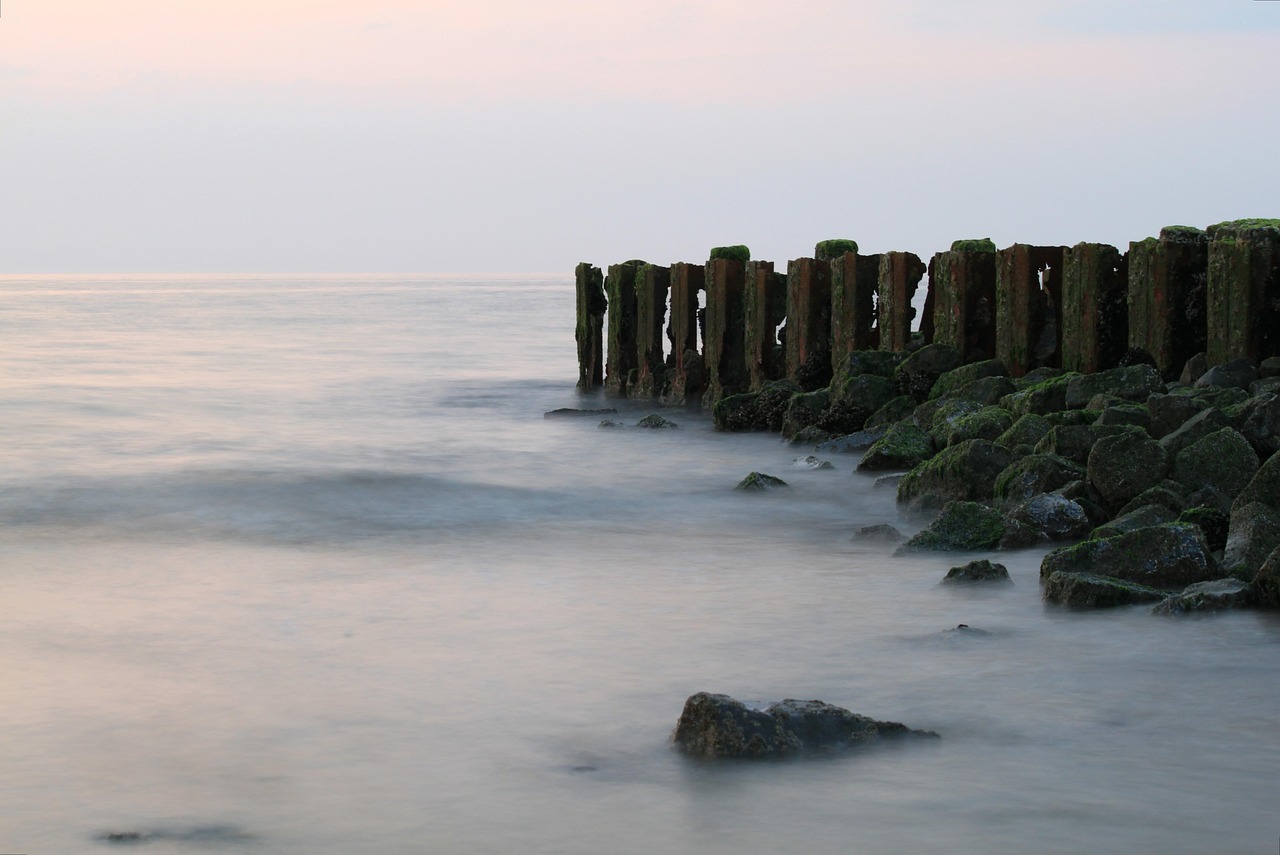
{"x":590,"y":328}
{"x":688,"y":377}
{"x":1167,"y":296}
{"x":652,"y":284}
{"x":1243,"y":291}
{"x":963,"y":282}
{"x":764,"y":308}
{"x":854,"y":279}
{"x":724,"y":349}
{"x":620,"y":365}
{"x":1095,"y":316}
{"x":898,"y":277}
{"x":808,"y":316}
{"x":1028,"y":307}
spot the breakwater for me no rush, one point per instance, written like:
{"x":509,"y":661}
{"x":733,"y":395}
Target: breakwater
{"x":693,"y":334}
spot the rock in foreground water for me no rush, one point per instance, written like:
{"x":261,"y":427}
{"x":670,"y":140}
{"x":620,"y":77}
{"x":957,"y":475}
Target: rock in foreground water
{"x":720,"y":726}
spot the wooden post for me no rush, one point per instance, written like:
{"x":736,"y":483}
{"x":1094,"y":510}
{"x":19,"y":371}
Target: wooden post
{"x":620,"y":285}
{"x":1167,"y":296}
{"x":854,"y":279}
{"x":764,"y":308}
{"x":963,"y":281}
{"x":652,"y":284}
{"x":808,"y":312}
{"x":1243,"y":291}
{"x":590,"y":328}
{"x":1095,"y":321}
{"x":899,"y":275}
{"x":686,"y":281}
{"x":1029,"y":310}
{"x":724,"y":349}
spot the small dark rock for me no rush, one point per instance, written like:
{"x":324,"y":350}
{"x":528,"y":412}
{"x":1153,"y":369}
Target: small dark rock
{"x":564,"y":412}
{"x":878,"y":534}
{"x":811,"y":464}
{"x":656,"y":422}
{"x":977,"y":571}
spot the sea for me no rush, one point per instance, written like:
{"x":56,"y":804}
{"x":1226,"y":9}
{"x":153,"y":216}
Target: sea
{"x":296,"y":564}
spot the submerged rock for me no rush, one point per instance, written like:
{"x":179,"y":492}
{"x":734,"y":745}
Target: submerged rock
{"x":811,"y":463}
{"x":880,"y":534}
{"x":718,"y":726}
{"x":1212,"y":596}
{"x":656,"y":422}
{"x":960,"y":526}
{"x":758,"y":481}
{"x":567,"y":412}
{"x":977,"y":571}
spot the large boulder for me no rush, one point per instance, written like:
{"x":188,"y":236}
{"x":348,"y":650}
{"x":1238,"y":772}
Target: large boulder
{"x":1087,"y":591}
{"x":903,"y":446}
{"x":966,"y":472}
{"x":805,"y":409}
{"x":1252,"y":535}
{"x":1123,"y":465}
{"x":1167,"y":494}
{"x":1140,"y":517}
{"x":1169,"y":556}
{"x":1237,"y":374}
{"x":1265,"y":486}
{"x":880,"y":363}
{"x":1051,"y":516}
{"x":917,"y":373}
{"x":717,"y":726}
{"x":966,"y":374}
{"x":1213,"y":522}
{"x":755,"y":411}
{"x":1170,"y":412}
{"x":1132,"y":383}
{"x":851,"y":442}
{"x":1223,"y":460}
{"x":1193,"y":430}
{"x":961,"y":526}
{"x":1030,"y":476}
{"x":895,"y":410}
{"x":985,"y":390}
{"x":1260,"y":423}
{"x":867,"y":392}
{"x":1125,"y":414}
{"x":945,"y":416}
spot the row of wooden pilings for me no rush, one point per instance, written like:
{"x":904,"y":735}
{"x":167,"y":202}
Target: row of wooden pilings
{"x":1080,"y":308}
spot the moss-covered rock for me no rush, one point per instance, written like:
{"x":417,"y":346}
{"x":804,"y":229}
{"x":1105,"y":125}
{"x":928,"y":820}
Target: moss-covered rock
{"x":882,"y":535}
{"x":973,"y":245}
{"x":1026,"y":431}
{"x":1142,"y":517}
{"x":987,"y":423}
{"x":1125,"y":414}
{"x":1253,"y":533}
{"x":895,"y":410}
{"x":760,"y":482}
{"x":945,"y":416}
{"x":1223,"y":460}
{"x":654,"y":421}
{"x":963,"y":472}
{"x":805,"y":409}
{"x":966,"y":374}
{"x":1072,"y":418}
{"x":1167,"y":494}
{"x":868,"y":392}
{"x":737,"y":252}
{"x":1265,"y":587}
{"x":1212,"y":522}
{"x":1074,"y":442}
{"x":985,"y":390}
{"x":1170,"y":412}
{"x":1048,"y":396}
{"x":829,"y":250}
{"x":981,"y":571}
{"x":1216,"y":596}
{"x":737,"y":413}
{"x":1237,"y":374}
{"x":1088,"y":591}
{"x":903,"y":446}
{"x":810,"y":437}
{"x":962,"y":526}
{"x":1132,"y":383}
{"x":1036,"y":376}
{"x":1051,"y":516}
{"x":1123,"y":465}
{"x":1030,"y":476}
{"x":1193,"y":430}
{"x":878,"y":362}
{"x":1265,"y":486}
{"x":852,"y":442}
{"x":917,"y":373}
{"x":1259,"y":423}
{"x":1170,"y":556}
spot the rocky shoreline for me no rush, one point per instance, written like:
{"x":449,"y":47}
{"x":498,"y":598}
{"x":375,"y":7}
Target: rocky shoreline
{"x":1165,"y":493}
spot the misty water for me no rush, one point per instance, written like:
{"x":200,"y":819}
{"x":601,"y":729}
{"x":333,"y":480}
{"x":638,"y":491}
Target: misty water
{"x":296,"y":565}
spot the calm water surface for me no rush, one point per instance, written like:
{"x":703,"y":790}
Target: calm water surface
{"x":296,"y":565}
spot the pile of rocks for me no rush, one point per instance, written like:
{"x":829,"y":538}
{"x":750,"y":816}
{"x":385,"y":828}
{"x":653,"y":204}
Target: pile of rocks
{"x":1171,"y":490}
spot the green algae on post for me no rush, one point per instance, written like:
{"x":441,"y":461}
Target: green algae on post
{"x":973,"y":245}
{"x":827,"y":250}
{"x":737,"y":252}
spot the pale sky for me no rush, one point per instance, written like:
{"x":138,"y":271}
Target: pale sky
{"x":528,"y":135}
